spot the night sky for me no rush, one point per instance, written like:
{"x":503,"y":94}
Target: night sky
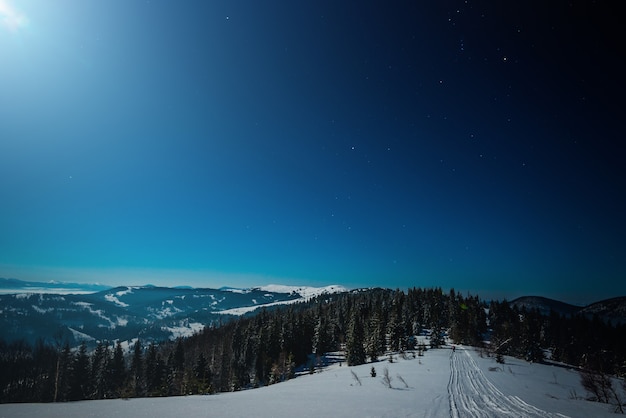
{"x":475,"y":145}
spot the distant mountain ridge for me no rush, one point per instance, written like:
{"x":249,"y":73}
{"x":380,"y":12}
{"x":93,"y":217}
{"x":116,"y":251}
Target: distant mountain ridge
{"x":545,"y":305}
{"x":127,"y":312}
{"x":613,"y":310}
{"x":77,"y":312}
{"x":8,"y":286}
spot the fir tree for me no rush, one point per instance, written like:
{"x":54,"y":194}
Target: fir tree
{"x":62,"y":375}
{"x":202,"y":374}
{"x":80,"y":380}
{"x":355,"y":353}
{"x":436,"y":337}
{"x":117,"y":371}
{"x":153,"y":372}
{"x":99,"y":370}
{"x":179,"y":355}
{"x":137,"y":371}
{"x":375,"y":337}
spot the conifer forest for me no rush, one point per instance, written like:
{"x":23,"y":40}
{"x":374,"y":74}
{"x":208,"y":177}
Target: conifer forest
{"x":273,"y":345}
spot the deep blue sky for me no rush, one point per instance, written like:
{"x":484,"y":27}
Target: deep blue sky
{"x":464,"y":144}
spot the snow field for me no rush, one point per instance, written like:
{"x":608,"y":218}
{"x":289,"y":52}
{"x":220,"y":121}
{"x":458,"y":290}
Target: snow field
{"x":440,"y":384}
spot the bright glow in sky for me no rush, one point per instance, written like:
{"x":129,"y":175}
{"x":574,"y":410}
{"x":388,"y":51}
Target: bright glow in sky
{"x":10,"y":18}
{"x":379,"y":143}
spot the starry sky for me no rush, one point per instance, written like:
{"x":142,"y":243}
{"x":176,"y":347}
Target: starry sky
{"x":474,"y":145}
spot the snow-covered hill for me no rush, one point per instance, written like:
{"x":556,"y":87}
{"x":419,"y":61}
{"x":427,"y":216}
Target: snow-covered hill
{"x":304,"y":294}
{"x":613,"y":310}
{"x":442,"y":383}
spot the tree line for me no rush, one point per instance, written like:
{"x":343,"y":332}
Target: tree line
{"x":271,"y":346}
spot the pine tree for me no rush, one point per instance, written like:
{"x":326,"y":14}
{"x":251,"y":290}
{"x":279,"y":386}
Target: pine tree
{"x":117,"y":371}
{"x":153,"y":378}
{"x":321,"y":336}
{"x":457,"y":328}
{"x":531,"y":336}
{"x":202,"y":374}
{"x":99,"y":370}
{"x":80,"y":380}
{"x":436,"y":337}
{"x":43,"y":368}
{"x":179,"y":355}
{"x":375,"y":337}
{"x":355,"y":352}
{"x":177,"y":381}
{"x":62,"y":376}
{"x":137,"y":376}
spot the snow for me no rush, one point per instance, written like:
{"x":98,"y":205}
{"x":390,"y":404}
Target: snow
{"x":442,"y":383}
{"x":80,"y":336}
{"x":184,"y":330}
{"x":41,"y":310}
{"x":116,"y":301}
{"x":121,"y":322}
{"x":477,"y":392}
{"x":98,"y":312}
{"x":235,"y":290}
{"x":246,"y":309}
{"x":304,"y":291}
{"x":165,"y":311}
{"x":128,"y":290}
{"x":114,"y":298}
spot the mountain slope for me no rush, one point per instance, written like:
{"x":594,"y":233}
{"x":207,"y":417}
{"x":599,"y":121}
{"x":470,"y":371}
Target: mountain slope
{"x":613,"y":310}
{"x":439,"y":384}
{"x":545,"y":305}
{"x":124,"y":313}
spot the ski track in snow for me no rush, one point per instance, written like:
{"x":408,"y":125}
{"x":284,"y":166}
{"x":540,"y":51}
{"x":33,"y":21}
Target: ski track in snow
{"x":473,"y":395}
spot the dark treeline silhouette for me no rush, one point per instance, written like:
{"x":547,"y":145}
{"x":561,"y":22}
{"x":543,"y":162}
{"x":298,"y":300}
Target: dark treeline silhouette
{"x":272,"y":345}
